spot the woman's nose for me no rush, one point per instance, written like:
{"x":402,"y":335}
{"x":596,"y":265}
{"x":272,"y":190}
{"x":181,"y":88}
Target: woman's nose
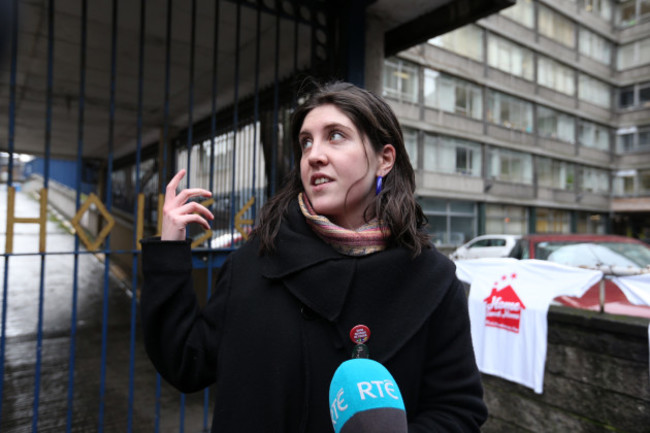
{"x":317,"y":154}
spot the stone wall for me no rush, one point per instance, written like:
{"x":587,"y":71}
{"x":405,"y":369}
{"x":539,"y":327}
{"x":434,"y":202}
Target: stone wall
{"x":596,"y":379}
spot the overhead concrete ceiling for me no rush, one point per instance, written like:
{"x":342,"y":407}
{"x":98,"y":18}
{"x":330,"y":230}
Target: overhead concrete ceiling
{"x":83,"y":85}
{"x":395,"y":13}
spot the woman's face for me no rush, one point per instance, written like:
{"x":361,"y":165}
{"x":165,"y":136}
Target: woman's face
{"x":338,"y":167}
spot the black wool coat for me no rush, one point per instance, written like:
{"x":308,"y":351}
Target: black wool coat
{"x":277,"y":327}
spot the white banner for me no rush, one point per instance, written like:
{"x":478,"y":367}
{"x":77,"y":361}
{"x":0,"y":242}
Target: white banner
{"x":508,"y":304}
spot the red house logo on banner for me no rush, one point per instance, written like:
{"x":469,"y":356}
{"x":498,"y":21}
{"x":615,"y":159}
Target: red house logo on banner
{"x":503,"y":307}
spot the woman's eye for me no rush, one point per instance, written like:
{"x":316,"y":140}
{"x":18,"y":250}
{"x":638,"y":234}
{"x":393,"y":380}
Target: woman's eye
{"x":336,"y":136}
{"x":306,"y":143}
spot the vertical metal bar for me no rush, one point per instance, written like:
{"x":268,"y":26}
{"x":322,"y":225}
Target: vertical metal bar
{"x":41,"y":293}
{"x":73,"y":319}
{"x":190,"y":140}
{"x":181,"y":427}
{"x":190,"y":102}
{"x":12,"y":96}
{"x":213,"y":133}
{"x":276,"y":108}
{"x":213,"y":111}
{"x":109,"y":204}
{"x":137,"y":209}
{"x":12,"y":123}
{"x":168,"y":43}
{"x":294,"y":99}
{"x":80,"y":138}
{"x":39,"y":345}
{"x":235,"y":122}
{"x":256,"y":109}
{"x":5,"y":291}
{"x":163,"y":177}
{"x":105,"y":311}
{"x":49,"y":85}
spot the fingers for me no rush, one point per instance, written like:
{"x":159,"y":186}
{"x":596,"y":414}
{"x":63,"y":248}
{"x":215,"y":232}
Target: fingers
{"x":178,"y":211}
{"x":195,"y":218}
{"x":173,"y":184}
{"x":177,"y":200}
{"x":193,"y":208}
{"x":189,"y":193}
{"x":175,"y":220}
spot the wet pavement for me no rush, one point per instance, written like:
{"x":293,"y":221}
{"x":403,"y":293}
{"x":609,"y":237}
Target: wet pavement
{"x":103,"y":395}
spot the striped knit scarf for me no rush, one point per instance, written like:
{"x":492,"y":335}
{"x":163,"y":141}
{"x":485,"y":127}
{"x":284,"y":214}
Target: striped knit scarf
{"x":367,"y":239}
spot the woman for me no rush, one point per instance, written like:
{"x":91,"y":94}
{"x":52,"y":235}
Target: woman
{"x":342,"y":244}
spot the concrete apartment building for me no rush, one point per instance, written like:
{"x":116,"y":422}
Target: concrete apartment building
{"x":535,"y":119}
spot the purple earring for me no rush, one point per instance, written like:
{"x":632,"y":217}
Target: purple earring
{"x":379,"y":185}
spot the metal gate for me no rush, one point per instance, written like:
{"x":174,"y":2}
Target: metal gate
{"x":100,"y":103}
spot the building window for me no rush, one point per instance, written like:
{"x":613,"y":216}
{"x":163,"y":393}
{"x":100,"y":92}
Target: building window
{"x":625,"y":140}
{"x":509,"y":220}
{"x":635,"y":96}
{"x":644,"y":95}
{"x":509,"y":111}
{"x":644,"y":182}
{"x":466,"y":41}
{"x":628,"y":15}
{"x":401,"y":80}
{"x":594,"y":180}
{"x":552,"y":173}
{"x":510,"y":166}
{"x":452,"y":155}
{"x":595,"y":46}
{"x":556,"y":125}
{"x":521,"y":12}
{"x":452,"y":94}
{"x":555,"y":75}
{"x":510,"y":57}
{"x":591,"y":223}
{"x":623,"y":183}
{"x":634,"y":54}
{"x":631,"y":183}
{"x":594,"y":91}
{"x":451,"y":223}
{"x":602,"y":8}
{"x":633,"y":139}
{"x":644,"y":138}
{"x":552,"y":221}
{"x":411,"y":144}
{"x":556,"y":27}
{"x":593,"y":135}
{"x":626,"y":97}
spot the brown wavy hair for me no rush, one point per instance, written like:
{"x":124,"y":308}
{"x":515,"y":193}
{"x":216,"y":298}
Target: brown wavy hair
{"x":395,"y":205}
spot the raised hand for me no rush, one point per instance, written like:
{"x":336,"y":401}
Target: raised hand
{"x":178,"y":212}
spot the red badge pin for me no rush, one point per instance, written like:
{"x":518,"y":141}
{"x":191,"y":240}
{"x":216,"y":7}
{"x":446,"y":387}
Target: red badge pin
{"x":360,"y":334}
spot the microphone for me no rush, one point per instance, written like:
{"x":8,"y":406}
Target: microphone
{"x":364,"y":398}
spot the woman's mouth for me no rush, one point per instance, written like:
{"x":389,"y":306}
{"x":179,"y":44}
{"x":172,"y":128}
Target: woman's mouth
{"x":321,"y":180}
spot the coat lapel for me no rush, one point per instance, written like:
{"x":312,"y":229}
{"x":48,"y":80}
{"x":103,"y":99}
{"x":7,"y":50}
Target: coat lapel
{"x":390,"y":292}
{"x":394,"y":295}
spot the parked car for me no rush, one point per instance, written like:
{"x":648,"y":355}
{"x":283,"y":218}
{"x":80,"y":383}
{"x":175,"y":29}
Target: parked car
{"x":610,"y":253}
{"x":485,"y":246}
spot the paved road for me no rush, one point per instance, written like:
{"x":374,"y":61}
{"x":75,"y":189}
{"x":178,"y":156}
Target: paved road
{"x":19,"y":381}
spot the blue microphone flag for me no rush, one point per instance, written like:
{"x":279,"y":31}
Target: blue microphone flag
{"x":363,"y":394}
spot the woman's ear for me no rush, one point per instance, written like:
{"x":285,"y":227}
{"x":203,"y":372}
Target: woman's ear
{"x":386,"y":160}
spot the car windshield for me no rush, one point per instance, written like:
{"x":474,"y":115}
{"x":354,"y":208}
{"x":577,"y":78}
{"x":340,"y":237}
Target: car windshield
{"x":592,"y":254}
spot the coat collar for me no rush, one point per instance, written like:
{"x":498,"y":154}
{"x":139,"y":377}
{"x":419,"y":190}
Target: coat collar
{"x":312,"y":270}
{"x":393,"y":294}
